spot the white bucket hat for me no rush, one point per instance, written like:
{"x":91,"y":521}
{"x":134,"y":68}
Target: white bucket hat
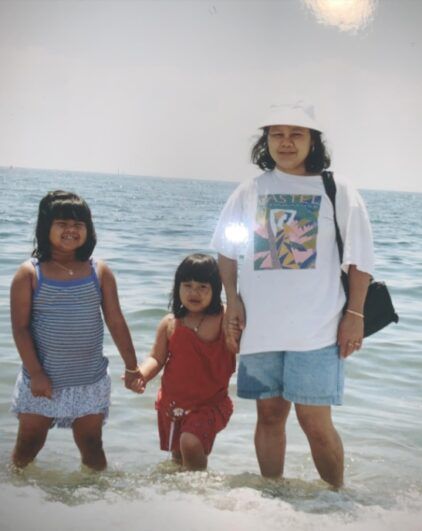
{"x":299,"y":113}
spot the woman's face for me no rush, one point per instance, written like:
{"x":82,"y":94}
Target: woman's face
{"x":289,"y":145}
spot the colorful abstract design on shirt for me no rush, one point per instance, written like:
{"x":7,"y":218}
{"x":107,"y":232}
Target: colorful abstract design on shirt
{"x":286,"y":231}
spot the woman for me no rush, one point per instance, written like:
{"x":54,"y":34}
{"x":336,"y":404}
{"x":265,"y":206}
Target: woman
{"x":295,"y":336}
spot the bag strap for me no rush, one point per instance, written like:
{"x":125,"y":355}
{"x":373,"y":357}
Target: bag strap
{"x":330,"y":190}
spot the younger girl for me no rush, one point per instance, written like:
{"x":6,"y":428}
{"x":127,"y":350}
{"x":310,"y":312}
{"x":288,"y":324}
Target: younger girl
{"x":58,"y":330}
{"x":193,"y":402}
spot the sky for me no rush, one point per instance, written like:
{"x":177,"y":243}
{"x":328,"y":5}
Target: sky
{"x":176,"y":88}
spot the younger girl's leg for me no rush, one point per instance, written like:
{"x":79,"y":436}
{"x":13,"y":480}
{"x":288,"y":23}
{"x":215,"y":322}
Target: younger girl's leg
{"x":87,"y":432}
{"x":193,"y":454}
{"x":31,"y":437}
{"x":177,"y":457}
{"x":199,"y":429}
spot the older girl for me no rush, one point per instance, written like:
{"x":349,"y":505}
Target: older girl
{"x":56,"y":302}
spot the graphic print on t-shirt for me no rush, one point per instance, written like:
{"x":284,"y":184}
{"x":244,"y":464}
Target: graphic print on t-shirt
{"x":286,"y":231}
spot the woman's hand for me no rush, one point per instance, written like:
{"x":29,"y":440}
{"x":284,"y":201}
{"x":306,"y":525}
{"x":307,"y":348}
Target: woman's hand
{"x":351,"y":327}
{"x":41,"y":385}
{"x":234,"y":323}
{"x":350,"y":334}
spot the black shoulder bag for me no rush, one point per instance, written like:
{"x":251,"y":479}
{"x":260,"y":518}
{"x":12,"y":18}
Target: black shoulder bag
{"x":378,"y":310}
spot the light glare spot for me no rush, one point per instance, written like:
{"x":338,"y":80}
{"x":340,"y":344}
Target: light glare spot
{"x":347,"y":15}
{"x":236,"y":233}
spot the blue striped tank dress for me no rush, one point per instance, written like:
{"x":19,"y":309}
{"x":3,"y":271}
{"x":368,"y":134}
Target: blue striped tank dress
{"x":67,"y":329}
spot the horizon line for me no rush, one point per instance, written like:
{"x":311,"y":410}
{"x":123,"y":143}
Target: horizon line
{"x":124,"y":174}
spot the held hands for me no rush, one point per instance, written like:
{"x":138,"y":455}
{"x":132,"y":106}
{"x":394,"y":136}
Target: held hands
{"x":134,"y":380}
{"x":41,"y":385}
{"x":234,"y":323}
{"x":350,"y":334}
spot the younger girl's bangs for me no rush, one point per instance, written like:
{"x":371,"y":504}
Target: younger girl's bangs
{"x":199,"y":272}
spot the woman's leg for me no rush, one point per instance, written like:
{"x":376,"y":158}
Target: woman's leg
{"x":270,"y":435}
{"x":325,"y":442}
{"x":87,"y":432}
{"x":31,"y":437}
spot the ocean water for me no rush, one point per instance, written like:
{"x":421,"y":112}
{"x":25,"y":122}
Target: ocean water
{"x":145,"y":227}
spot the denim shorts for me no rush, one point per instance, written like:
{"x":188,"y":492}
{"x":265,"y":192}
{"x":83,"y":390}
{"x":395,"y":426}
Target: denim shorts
{"x":313,"y":377}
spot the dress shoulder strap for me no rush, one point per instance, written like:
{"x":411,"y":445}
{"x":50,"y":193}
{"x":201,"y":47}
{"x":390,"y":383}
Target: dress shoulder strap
{"x":36,"y":263}
{"x":94,"y":273}
{"x":38,"y":273}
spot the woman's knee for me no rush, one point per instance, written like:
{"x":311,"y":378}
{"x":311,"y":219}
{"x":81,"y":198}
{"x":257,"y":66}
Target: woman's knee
{"x":272,"y":411}
{"x":316,"y":423}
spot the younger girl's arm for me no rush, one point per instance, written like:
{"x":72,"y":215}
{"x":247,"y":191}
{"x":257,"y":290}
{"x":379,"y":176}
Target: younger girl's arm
{"x":118,"y":328}
{"x":153,"y":364}
{"x":20,"y":310}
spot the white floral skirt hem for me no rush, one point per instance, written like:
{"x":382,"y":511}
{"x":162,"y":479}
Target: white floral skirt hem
{"x":66,"y":404}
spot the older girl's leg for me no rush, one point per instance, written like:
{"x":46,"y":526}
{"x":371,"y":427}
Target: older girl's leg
{"x":31,"y":437}
{"x":87,"y":432}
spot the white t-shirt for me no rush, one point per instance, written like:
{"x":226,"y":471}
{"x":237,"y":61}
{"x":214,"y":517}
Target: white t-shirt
{"x":289,"y":278}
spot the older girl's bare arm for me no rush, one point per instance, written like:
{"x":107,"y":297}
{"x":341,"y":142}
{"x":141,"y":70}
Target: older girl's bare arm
{"x":116,"y":323}
{"x":157,"y":358}
{"x":20,"y":310}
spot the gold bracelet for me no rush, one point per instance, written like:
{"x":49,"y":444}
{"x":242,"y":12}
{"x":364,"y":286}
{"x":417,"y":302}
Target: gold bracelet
{"x":355,"y":313}
{"x":133,"y":371}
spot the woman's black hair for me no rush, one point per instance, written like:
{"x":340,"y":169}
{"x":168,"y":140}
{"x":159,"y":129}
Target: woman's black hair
{"x":62,"y":205}
{"x":200,"y":268}
{"x":317,"y":160}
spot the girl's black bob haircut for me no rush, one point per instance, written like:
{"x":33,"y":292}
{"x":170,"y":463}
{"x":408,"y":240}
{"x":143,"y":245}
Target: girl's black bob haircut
{"x":200,"y":268}
{"x":317,"y":160}
{"x":62,"y":205}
